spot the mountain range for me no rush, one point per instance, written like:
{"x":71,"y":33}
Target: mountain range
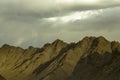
{"x":92,"y":58}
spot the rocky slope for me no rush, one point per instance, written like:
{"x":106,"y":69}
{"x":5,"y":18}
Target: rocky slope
{"x":2,"y":78}
{"x":89,"y":59}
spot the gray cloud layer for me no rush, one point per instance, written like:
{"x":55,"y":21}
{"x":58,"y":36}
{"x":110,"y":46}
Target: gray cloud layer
{"x":24,"y":22}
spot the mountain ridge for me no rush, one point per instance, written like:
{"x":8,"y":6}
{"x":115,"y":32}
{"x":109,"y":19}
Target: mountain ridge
{"x":60,"y":60}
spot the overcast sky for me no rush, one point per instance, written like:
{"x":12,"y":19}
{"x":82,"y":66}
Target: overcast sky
{"x":36,"y":22}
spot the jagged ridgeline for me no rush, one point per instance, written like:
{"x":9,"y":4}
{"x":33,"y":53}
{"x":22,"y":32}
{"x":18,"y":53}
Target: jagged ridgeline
{"x":92,"y":58}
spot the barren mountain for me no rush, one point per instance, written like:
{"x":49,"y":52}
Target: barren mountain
{"x":92,"y":58}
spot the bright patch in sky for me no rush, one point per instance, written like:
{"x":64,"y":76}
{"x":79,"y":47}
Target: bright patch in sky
{"x":78,"y":15}
{"x":19,"y":41}
{"x":77,"y":1}
{"x":88,"y":1}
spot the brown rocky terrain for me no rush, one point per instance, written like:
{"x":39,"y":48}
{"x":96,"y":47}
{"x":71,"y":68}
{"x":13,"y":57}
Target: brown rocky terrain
{"x":92,"y":58}
{"x":2,"y":78}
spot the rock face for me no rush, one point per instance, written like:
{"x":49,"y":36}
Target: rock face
{"x":89,"y":59}
{"x":2,"y":78}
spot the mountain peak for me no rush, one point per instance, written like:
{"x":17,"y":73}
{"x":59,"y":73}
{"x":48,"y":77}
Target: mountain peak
{"x":58,"y":41}
{"x":6,"y":45}
{"x":101,"y":38}
{"x":95,"y":45}
{"x":88,"y":38}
